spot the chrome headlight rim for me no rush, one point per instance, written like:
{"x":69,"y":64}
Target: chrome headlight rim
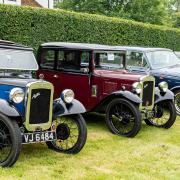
{"x":163,"y":86}
{"x":16,"y":95}
{"x":137,"y":87}
{"x":67,"y":96}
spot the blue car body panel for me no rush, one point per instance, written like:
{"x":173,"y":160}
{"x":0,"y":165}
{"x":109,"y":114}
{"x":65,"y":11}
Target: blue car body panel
{"x":4,"y":94}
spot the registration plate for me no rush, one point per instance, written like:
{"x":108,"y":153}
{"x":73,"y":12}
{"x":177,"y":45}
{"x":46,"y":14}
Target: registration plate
{"x":37,"y":137}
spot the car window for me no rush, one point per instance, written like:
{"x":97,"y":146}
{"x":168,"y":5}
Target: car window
{"x":48,"y":59}
{"x":108,"y":60}
{"x":17,"y":59}
{"x":73,"y":60}
{"x":136,"y":60}
{"x":162,"y":58}
{"x":68,"y":60}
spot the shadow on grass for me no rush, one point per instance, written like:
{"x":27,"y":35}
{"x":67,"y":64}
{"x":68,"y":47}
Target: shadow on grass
{"x":95,"y":120}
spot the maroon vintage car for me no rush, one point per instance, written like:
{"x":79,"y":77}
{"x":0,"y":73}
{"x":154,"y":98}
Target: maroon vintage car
{"x":97,"y":75}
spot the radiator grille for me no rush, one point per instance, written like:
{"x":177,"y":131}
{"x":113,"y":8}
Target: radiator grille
{"x":39,"y":106}
{"x":147,"y":98}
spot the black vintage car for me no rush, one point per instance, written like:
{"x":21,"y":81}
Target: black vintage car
{"x":28,"y":113}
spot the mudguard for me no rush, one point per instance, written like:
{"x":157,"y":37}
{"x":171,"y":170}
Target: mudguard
{"x":128,"y":95}
{"x":118,"y":94}
{"x":175,"y":88}
{"x":7,"y":109}
{"x":62,"y":109}
{"x":159,"y":96}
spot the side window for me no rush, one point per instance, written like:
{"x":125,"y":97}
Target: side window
{"x":68,"y":60}
{"x":136,"y":60}
{"x":48,"y":59}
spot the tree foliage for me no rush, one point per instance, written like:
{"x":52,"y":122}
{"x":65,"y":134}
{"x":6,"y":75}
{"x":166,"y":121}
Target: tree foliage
{"x":152,"y":11}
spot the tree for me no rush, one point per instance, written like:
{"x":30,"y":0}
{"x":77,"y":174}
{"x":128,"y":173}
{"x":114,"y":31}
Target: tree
{"x":151,"y":11}
{"x":174,"y":5}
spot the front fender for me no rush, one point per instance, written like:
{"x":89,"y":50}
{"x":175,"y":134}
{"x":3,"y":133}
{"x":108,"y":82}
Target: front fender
{"x":62,"y":109}
{"x":101,"y":107}
{"x":175,"y":88}
{"x":169,"y":95}
{"x":128,"y":95}
{"x":7,"y":109}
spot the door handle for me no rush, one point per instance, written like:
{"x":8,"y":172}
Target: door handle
{"x":55,"y":76}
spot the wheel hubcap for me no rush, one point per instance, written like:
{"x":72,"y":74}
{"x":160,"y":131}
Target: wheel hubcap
{"x":63,"y":131}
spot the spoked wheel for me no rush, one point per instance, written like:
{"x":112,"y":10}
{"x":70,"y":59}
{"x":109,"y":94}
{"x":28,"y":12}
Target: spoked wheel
{"x":177,"y":101}
{"x":123,"y":118}
{"x":164,"y":115}
{"x":71,"y":134}
{"x":10,"y":141}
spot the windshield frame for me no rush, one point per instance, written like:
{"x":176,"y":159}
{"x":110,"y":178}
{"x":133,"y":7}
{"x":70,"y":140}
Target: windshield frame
{"x":20,"y":49}
{"x":164,"y":50}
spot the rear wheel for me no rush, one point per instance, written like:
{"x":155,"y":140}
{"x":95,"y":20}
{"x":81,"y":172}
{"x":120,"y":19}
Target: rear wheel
{"x":10,"y":141}
{"x":164,"y":115}
{"x":71,"y":134}
{"x":123,"y":118}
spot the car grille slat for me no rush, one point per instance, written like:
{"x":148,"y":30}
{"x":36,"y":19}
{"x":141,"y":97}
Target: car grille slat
{"x":39,"y":106}
{"x":147,"y":98}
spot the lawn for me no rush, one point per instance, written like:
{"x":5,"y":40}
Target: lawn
{"x":153,"y":154}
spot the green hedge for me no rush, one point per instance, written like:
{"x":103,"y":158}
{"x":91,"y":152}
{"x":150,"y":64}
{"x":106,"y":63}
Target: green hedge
{"x":33,"y":26}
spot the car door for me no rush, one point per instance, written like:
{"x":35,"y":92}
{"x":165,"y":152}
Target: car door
{"x":70,"y":71}
{"x":137,"y":62}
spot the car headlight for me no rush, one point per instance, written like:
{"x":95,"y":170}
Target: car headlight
{"x":137,"y":87}
{"x":16,"y":95}
{"x":67,"y":96}
{"x":163,"y":86}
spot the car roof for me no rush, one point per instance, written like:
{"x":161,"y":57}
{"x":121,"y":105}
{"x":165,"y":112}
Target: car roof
{"x":142,"y":49}
{"x":79,"y":46}
{"x":86,"y":46}
{"x":13,"y":45}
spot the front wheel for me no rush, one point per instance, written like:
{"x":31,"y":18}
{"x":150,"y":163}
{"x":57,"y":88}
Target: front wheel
{"x":123,"y":118}
{"x":164,"y":115}
{"x":177,"y":101}
{"x":71,"y":134}
{"x":10,"y":141}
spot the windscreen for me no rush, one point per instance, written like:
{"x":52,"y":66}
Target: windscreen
{"x":109,"y":60}
{"x":17,"y":60}
{"x":160,"y":59}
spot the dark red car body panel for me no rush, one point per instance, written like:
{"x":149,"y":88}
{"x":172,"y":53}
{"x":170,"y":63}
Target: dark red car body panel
{"x":106,"y":81}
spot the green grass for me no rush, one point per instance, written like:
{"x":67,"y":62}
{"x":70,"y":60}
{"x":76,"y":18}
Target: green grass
{"x":153,"y":154}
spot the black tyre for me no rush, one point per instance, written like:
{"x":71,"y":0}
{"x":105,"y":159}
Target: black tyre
{"x":177,"y":101}
{"x":71,"y":134}
{"x":123,"y":118}
{"x":164,"y":115}
{"x":10,"y":141}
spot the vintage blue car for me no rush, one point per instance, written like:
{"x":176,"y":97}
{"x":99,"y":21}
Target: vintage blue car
{"x":28,"y":113}
{"x":161,"y":63}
